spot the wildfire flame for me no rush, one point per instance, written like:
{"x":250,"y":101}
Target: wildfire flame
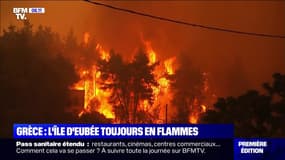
{"x":150,"y":51}
{"x":96,"y":99}
{"x":204,"y":108}
{"x":103,"y":54}
{"x":169,"y":65}
{"x":86,"y":37}
{"x":198,"y":107}
{"x":193,"y":119}
{"x":162,"y":94}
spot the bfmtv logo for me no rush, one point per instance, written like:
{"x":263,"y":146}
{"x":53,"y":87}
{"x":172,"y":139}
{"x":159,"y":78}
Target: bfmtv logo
{"x":21,"y":12}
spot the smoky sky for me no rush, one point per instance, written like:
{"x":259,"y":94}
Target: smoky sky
{"x":236,"y":63}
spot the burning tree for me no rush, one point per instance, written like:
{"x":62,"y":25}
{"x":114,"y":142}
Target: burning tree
{"x":84,"y":56}
{"x":189,"y":87}
{"x":130,"y":84}
{"x":37,"y":76}
{"x":137,"y":91}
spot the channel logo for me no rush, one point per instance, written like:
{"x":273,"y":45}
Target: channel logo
{"x":21,"y":13}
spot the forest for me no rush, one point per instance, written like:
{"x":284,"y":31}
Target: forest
{"x":39,"y":69}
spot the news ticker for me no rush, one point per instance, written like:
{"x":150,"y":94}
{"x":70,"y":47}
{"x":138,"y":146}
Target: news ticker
{"x":189,"y":141}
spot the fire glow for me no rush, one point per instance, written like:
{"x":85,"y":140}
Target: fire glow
{"x":96,"y":99}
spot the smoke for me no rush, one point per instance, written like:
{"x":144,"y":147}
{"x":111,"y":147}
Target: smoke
{"x":210,"y":51}
{"x":235,"y":62}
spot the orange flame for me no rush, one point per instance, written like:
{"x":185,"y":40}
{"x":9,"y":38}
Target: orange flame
{"x":96,"y":99}
{"x":193,"y":119}
{"x":169,"y":65}
{"x":162,"y":94}
{"x":204,"y":108}
{"x":197,"y":106}
{"x":86,"y":37}
{"x":150,"y":51}
{"x":103,"y":54}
